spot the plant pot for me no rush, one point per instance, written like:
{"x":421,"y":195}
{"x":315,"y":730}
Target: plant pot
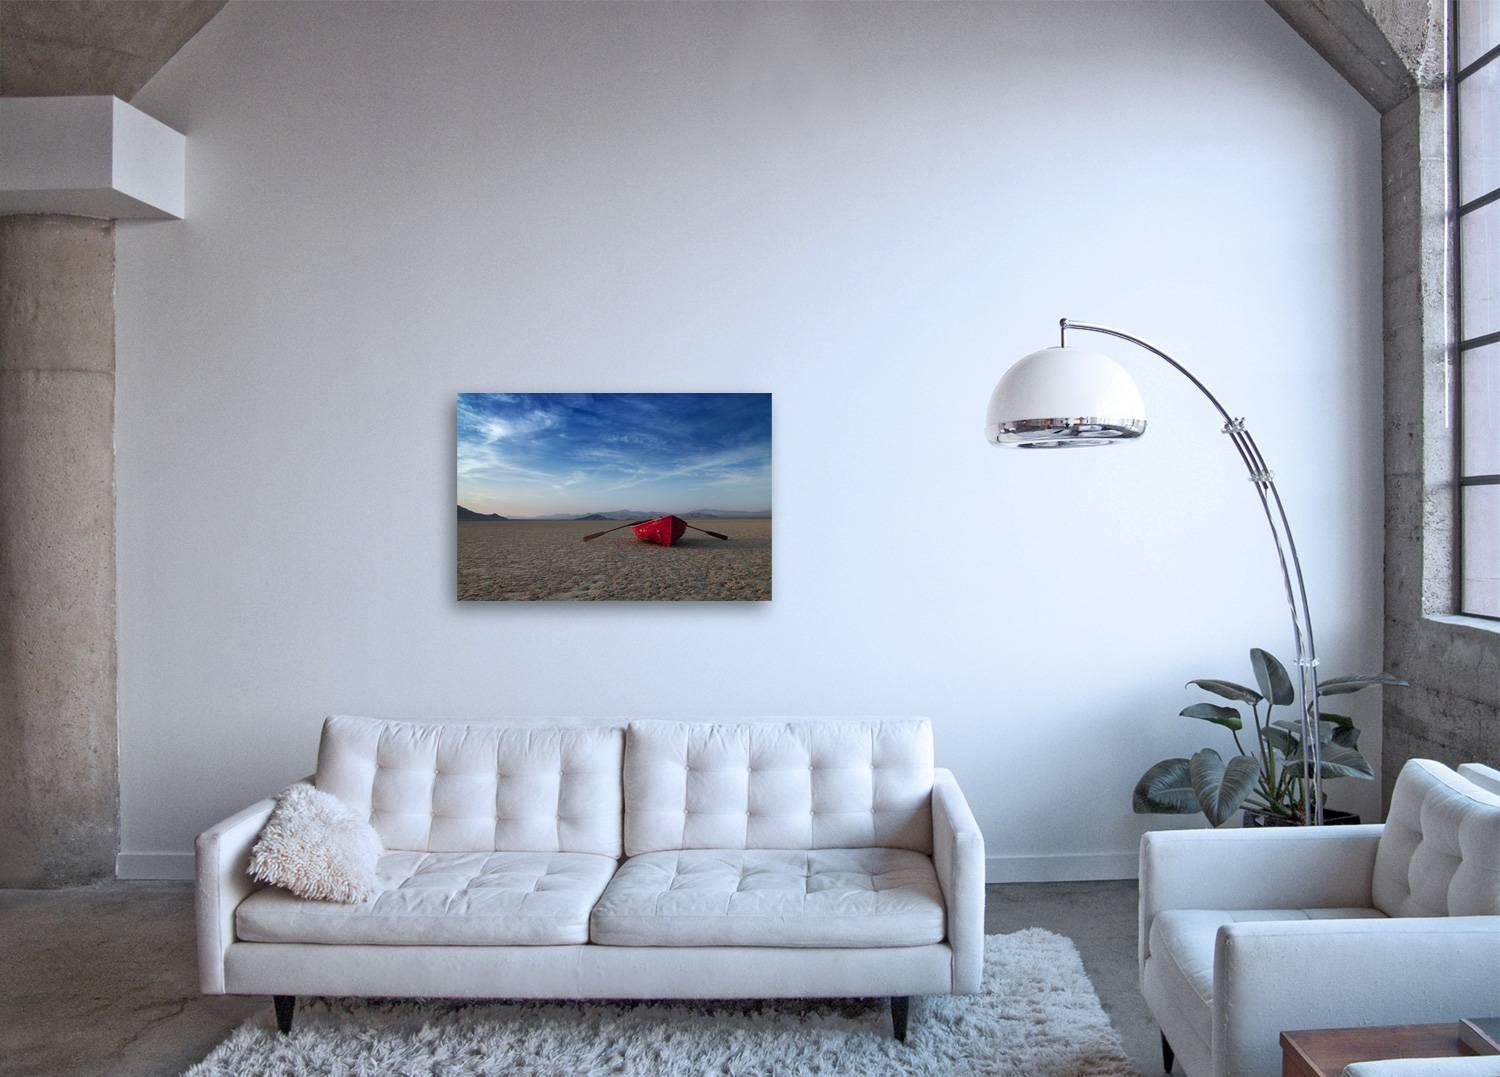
{"x":1252,"y":818}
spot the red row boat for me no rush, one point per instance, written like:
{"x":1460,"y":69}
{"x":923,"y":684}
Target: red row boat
{"x":663,"y":531}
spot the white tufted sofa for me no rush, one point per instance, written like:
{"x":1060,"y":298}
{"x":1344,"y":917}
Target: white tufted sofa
{"x":764,"y":859}
{"x":1248,"y":933}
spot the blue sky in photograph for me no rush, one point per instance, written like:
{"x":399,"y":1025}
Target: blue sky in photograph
{"x":538,"y":454}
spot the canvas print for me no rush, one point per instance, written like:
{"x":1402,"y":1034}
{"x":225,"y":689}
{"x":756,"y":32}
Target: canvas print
{"x":614,"y":496}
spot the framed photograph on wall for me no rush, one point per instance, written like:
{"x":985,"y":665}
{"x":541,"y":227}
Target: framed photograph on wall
{"x":614,"y":497}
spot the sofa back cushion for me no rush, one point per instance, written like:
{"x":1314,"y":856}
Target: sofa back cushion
{"x":1487,"y":778}
{"x":469,"y":787}
{"x":1439,"y":854}
{"x":778,"y":785}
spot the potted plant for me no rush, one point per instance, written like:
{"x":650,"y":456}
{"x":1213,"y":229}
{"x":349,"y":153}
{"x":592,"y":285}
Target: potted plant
{"x":1267,"y":780}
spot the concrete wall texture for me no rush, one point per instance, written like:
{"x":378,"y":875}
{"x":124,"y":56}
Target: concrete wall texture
{"x":1452,"y":710}
{"x":58,"y":788}
{"x":870,"y":210}
{"x":1393,"y":52}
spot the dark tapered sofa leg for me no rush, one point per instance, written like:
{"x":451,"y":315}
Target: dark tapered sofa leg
{"x":1167,"y":1057}
{"x":285,"y":1004}
{"x":900,"y":1004}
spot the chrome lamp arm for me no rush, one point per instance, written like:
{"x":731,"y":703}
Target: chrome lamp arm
{"x":1264,"y":481}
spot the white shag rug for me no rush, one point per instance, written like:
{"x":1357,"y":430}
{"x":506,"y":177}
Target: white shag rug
{"x":1037,"y":1015}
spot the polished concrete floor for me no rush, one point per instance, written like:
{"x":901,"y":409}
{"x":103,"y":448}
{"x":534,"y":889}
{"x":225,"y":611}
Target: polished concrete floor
{"x":102,"y":980}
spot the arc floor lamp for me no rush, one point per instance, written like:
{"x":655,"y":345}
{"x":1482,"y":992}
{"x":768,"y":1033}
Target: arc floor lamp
{"x":1067,"y":397}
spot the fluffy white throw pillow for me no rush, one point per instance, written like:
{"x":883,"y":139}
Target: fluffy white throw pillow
{"x":317,"y":847}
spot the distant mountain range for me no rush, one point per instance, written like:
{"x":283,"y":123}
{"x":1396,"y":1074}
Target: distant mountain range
{"x":621,"y":514}
{"x":726,"y":514}
{"x":470,"y":514}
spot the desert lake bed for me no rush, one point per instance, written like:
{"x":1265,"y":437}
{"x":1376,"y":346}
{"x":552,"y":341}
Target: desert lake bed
{"x":537,"y":560}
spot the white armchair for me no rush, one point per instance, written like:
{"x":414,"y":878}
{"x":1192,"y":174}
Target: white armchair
{"x":1246,"y":933}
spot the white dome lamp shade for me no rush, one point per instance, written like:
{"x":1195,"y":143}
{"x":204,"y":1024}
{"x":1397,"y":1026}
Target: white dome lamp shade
{"x":1060,"y":398}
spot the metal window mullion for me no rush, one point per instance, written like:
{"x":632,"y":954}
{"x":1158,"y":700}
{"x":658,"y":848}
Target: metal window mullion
{"x":1455,"y":167}
{"x":1480,"y":202}
{"x":1482,"y":341}
{"x":1483,"y":60}
{"x":1454,"y":163}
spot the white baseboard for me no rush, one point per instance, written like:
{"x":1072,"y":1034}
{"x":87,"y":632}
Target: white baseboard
{"x":1038,"y":868}
{"x":153,"y":865}
{"x":1061,"y":867}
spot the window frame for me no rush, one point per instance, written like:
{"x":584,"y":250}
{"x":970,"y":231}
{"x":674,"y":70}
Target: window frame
{"x":1463,"y":480}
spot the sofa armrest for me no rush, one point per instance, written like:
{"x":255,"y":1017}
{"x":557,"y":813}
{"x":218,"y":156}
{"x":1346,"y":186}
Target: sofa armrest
{"x":223,"y":881}
{"x":1275,"y":975}
{"x":1291,"y":867}
{"x":958,"y":856}
{"x":1465,"y":1066}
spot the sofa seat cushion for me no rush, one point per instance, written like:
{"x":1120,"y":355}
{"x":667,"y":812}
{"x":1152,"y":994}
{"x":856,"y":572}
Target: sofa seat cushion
{"x":772,"y":897}
{"x":456,"y":899}
{"x":1183,"y":940}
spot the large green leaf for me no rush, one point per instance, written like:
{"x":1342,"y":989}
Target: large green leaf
{"x":1344,"y":731}
{"x":1229,"y":690}
{"x":1227,"y":717}
{"x":1282,"y":739}
{"x":1271,"y":675}
{"x":1294,"y":727}
{"x":1222,"y":787}
{"x":1339,"y":761}
{"x":1166,"y":789}
{"x":1338,"y":686}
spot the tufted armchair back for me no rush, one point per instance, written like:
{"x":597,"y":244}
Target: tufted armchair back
{"x":1439,"y":853}
{"x":460,"y":787}
{"x":778,"y":785}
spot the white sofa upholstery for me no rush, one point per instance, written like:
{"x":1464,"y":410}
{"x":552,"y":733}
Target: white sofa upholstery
{"x":445,"y":899}
{"x":1246,"y":933}
{"x":772,"y":897}
{"x":468,"y":788}
{"x":1487,"y":778}
{"x":760,"y":859}
{"x":756,"y":785}
{"x":1467,"y":1066}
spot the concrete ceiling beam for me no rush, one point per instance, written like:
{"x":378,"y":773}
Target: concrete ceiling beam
{"x":1385,"y":49}
{"x":53,"y":48}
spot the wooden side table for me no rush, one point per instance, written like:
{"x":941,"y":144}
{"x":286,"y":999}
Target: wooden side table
{"x":1324,"y":1052}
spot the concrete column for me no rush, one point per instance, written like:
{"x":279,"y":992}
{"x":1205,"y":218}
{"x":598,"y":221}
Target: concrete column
{"x":59,"y":786}
{"x":1451,"y":712}
{"x":1392,"y":52}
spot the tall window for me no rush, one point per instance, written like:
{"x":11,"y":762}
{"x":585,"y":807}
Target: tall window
{"x":1475,"y":65}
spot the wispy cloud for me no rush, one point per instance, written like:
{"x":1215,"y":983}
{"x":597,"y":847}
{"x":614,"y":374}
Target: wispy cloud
{"x":535,"y":454}
{"x":717,"y":467}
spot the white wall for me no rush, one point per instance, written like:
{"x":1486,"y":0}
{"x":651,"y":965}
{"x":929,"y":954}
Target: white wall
{"x":869,"y":210}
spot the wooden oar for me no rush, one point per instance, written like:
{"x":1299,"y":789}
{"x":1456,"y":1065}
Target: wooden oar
{"x":596,"y":534}
{"x":607,"y":530}
{"x":715,"y":534}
